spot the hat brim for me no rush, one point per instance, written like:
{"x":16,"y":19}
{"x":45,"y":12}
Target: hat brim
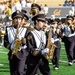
{"x":41,"y":19}
{"x":17,"y":16}
{"x":36,"y":8}
{"x":26,"y":17}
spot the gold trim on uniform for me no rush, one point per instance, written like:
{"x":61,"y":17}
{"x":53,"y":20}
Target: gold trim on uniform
{"x":29,"y":37}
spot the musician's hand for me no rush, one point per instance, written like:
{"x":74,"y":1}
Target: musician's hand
{"x":46,"y":50}
{"x":52,"y":40}
{"x":36,"y":52}
{"x":37,"y":49}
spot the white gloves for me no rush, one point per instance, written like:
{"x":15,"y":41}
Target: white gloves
{"x":52,"y":40}
{"x":37,"y":49}
{"x":46,"y":50}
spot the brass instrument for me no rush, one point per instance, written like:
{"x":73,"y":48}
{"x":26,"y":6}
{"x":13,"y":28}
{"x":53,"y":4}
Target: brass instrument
{"x":27,"y":25}
{"x":36,"y":52}
{"x":51,"y":47}
{"x":33,"y":12}
{"x":73,"y":27}
{"x":17,"y":43}
{"x":2,"y":30}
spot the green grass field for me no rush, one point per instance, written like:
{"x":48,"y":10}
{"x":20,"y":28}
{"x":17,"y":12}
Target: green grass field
{"x":64,"y":69}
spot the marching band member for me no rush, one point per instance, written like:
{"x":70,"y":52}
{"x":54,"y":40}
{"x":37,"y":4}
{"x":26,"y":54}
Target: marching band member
{"x":74,"y":39}
{"x":36,"y":43}
{"x":35,"y":9}
{"x":56,"y":36}
{"x":15,"y":41}
{"x":68,"y":39}
{"x":25,"y":20}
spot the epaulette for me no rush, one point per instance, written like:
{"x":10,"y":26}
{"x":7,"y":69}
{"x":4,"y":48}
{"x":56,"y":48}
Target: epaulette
{"x":30,"y":29}
{"x":29,"y":37}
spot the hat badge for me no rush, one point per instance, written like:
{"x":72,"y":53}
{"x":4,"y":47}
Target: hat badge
{"x":18,"y":12}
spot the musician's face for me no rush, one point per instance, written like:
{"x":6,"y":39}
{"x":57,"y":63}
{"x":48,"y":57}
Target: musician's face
{"x":17,"y":21}
{"x":46,"y":24}
{"x":40,"y":24}
{"x":69,"y":20}
{"x":55,"y":25}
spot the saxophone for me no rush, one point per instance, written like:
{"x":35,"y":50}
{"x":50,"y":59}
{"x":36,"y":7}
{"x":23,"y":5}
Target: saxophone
{"x":17,"y":46}
{"x":17,"y":43}
{"x":51,"y":47}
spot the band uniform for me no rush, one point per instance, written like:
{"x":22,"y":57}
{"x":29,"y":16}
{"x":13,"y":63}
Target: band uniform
{"x":14,"y":32}
{"x":36,"y":43}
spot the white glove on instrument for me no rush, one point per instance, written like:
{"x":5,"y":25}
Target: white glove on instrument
{"x":52,"y":40}
{"x":37,"y":49}
{"x":46,"y":50}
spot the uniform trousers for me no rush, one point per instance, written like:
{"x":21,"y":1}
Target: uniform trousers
{"x":16,"y":66}
{"x":74,"y":49}
{"x":56,"y":55}
{"x":37,"y":62}
{"x":69,"y":46}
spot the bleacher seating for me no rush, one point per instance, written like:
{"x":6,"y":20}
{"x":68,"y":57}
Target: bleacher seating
{"x":48,"y":2}
{"x":51,"y":2}
{"x":5,"y":0}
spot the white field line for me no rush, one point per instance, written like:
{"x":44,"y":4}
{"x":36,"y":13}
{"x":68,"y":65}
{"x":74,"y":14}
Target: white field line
{"x":6,"y":70}
{"x":0,"y":46}
{"x":4,"y":52}
{"x":61,"y":61}
{"x":1,"y":49}
{"x":1,"y":64}
{"x":63,"y":55}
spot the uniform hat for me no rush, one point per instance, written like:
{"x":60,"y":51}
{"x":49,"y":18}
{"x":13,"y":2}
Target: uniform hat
{"x":54,"y":21}
{"x":17,"y":14}
{"x":25,"y":16}
{"x":69,"y":17}
{"x":36,"y":6}
{"x":24,"y":11}
{"x":40,"y":17}
{"x":47,"y":20}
